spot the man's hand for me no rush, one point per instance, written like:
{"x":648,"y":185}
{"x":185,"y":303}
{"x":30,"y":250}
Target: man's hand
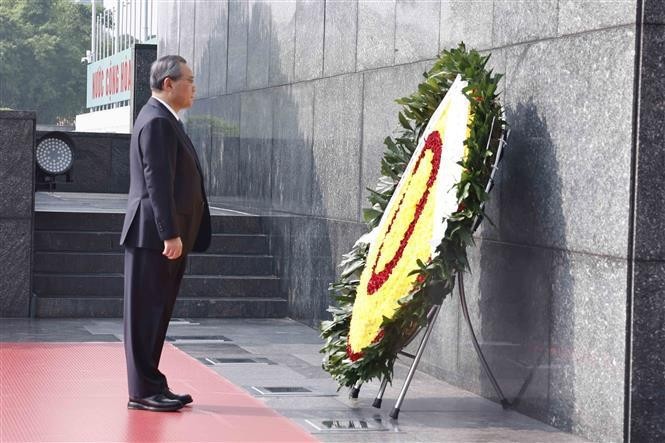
{"x":172,"y":248}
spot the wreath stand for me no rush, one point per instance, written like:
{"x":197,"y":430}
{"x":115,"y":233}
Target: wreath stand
{"x":432,"y":316}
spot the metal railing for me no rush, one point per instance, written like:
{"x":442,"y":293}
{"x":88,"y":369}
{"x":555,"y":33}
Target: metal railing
{"x":118,"y":28}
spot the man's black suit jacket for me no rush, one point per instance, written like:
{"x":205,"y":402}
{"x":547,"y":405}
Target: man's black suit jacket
{"x":166,"y":194}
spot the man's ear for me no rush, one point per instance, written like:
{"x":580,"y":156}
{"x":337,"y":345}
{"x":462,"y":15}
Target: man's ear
{"x":167,"y":83}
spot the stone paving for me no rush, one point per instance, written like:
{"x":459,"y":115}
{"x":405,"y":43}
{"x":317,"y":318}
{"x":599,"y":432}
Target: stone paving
{"x":259,"y":353}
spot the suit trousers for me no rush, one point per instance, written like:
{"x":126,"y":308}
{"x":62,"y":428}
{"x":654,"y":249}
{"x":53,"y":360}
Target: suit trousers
{"x":152,"y":282}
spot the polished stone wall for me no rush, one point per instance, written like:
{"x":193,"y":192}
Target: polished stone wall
{"x":17,"y":181}
{"x":296,"y":97}
{"x":647,"y":369}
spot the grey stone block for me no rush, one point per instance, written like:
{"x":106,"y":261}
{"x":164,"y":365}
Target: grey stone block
{"x":282,"y":42}
{"x":654,"y":12}
{"x":17,"y":163}
{"x":186,"y":30}
{"x":341,"y":21}
{"x":91,"y":169}
{"x":258,"y":44}
{"x":382,"y":88}
{"x":119,"y":166}
{"x":237,"y":46}
{"x":310,"y":263}
{"x":144,"y":56}
{"x":468,"y":21}
{"x":310,"y":17}
{"x":337,"y":141}
{"x":552,"y":181}
{"x":200,"y":58}
{"x":169,"y":28}
{"x":579,"y":16}
{"x":217,"y":46}
{"x":647,"y":398}
{"x":225,"y":146}
{"x":650,"y":221}
{"x":198,"y":122}
{"x":376,"y":34}
{"x":588,"y":346}
{"x":416,"y":30}
{"x":255,"y":154}
{"x":291,"y":178}
{"x":15,"y":272}
{"x":521,"y":21}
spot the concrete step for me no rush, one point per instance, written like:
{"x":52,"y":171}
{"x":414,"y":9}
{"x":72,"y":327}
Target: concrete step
{"x":111,"y":285}
{"x":67,"y":221}
{"x":104,"y":241}
{"x":113,"y":262}
{"x":81,"y":307}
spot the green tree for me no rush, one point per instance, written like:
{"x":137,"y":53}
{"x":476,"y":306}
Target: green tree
{"x":41,"y":45}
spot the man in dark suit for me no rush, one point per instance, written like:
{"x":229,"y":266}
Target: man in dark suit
{"x":167,"y":217}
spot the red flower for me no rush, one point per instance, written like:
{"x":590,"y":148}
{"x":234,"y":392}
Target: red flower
{"x":377,"y":280}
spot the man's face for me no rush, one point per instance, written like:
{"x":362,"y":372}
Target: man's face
{"x":182,"y":91}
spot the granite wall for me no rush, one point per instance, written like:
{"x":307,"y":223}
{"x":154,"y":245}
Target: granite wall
{"x":295,"y":98}
{"x":17,"y":175}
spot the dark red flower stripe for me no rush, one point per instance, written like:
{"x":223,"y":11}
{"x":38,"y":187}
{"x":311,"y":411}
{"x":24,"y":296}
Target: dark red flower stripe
{"x":377,"y":280}
{"x":356,"y":355}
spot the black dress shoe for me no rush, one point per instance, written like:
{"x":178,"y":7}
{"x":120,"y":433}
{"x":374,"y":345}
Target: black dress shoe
{"x":182,"y":398}
{"x":157,"y":403}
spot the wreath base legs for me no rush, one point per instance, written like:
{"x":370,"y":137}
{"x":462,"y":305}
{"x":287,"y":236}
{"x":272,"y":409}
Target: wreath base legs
{"x":431,"y":318}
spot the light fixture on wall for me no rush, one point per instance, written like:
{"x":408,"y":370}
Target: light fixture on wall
{"x":54,"y":155}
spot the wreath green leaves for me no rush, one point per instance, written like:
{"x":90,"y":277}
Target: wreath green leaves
{"x":437,"y":277}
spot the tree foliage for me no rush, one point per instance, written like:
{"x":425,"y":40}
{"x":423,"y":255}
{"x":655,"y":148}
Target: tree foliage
{"x":41,"y":45}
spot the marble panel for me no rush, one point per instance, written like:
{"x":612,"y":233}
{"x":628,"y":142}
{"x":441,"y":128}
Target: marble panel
{"x":587,"y":345}
{"x":647,"y":397}
{"x":650,"y":219}
{"x":416,"y":30}
{"x":337,"y":146}
{"x":554,"y":193}
{"x":469,"y":21}
{"x":310,"y":20}
{"x":580,"y":16}
{"x":654,"y":12}
{"x":310,"y":268}
{"x":200,"y":59}
{"x":376,"y":34}
{"x":17,"y":160}
{"x":169,"y":28}
{"x":91,"y":169}
{"x":282,"y":42}
{"x":258,"y":44}
{"x":225,"y":174}
{"x":15,"y":267}
{"x":187,"y":30}
{"x":198,"y":122}
{"x":521,"y":21}
{"x":291,"y":179}
{"x":255,"y":154}
{"x":382,"y":88}
{"x":217,"y":49}
{"x":144,"y":56}
{"x":340,"y":37}
{"x":119,"y":165}
{"x":237,"y":46}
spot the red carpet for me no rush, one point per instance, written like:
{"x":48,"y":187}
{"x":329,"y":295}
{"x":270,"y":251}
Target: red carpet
{"x":76,"y":392}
